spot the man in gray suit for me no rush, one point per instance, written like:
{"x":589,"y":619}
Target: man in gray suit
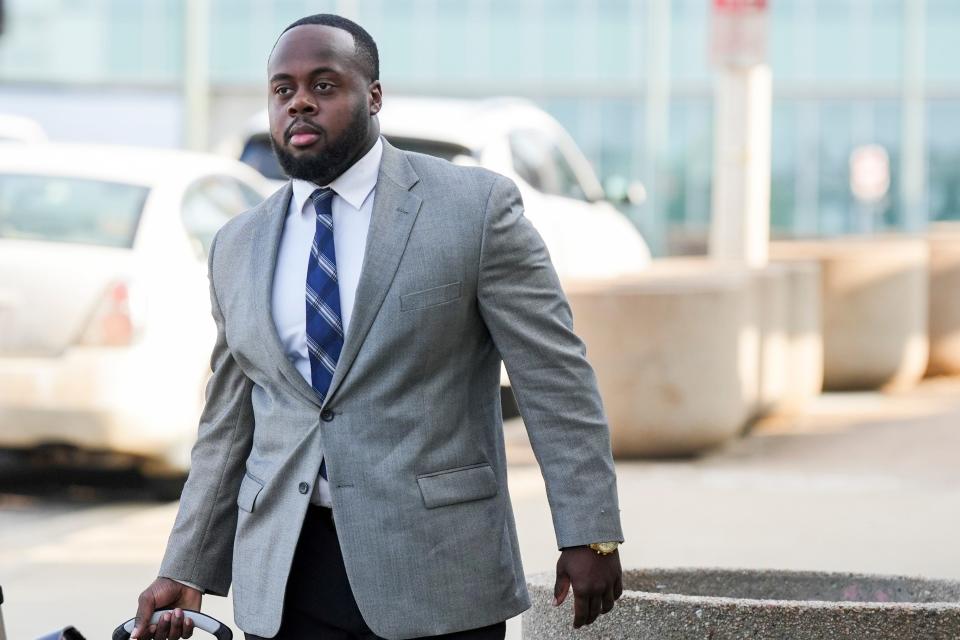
{"x":349,"y":476}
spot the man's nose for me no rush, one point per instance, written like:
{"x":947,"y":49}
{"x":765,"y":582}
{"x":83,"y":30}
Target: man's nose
{"x":302,"y":102}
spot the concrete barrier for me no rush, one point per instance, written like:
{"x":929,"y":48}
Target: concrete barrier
{"x":692,"y":604}
{"x":944,"y":240}
{"x":675,"y":352}
{"x":874,"y":308}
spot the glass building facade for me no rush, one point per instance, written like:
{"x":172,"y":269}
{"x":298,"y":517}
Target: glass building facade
{"x":843,"y":72}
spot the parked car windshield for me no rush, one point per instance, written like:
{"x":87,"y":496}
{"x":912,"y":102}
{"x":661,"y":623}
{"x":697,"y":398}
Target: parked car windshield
{"x":74,"y":210}
{"x":447,"y":150}
{"x":539,"y":161}
{"x":258,"y":153}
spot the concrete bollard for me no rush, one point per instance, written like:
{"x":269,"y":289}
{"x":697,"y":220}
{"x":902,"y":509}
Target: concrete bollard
{"x":944,"y":240}
{"x":675,"y":351}
{"x":729,"y":604}
{"x":874,"y":308}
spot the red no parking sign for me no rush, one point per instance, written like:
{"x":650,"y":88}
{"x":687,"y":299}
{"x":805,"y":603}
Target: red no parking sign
{"x":739,"y":32}
{"x":736,"y":5}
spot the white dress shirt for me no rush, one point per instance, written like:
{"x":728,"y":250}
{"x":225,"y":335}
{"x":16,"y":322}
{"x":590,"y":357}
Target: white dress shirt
{"x":354,"y":191}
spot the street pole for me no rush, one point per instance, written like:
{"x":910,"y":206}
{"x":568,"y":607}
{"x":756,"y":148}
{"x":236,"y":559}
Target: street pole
{"x":196,"y":74}
{"x":657,"y":118}
{"x":740,"y":228}
{"x":740,"y":225}
{"x":913,"y":163}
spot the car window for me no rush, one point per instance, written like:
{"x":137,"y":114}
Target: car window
{"x":75,"y":210}
{"x":540,"y":163}
{"x":209,"y":203}
{"x":258,"y":153}
{"x":437,"y":148}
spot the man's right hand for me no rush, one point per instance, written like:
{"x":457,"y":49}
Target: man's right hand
{"x":165,"y":593}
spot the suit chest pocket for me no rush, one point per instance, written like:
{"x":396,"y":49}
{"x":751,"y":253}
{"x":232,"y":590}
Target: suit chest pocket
{"x":431,"y":297}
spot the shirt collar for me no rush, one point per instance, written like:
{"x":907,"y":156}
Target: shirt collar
{"x":353,"y":185}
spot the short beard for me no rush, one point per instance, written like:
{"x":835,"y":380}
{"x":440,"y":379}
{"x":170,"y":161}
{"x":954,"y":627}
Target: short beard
{"x":324,"y":166}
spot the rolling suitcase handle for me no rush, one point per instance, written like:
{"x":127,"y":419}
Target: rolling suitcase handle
{"x":200,"y":621}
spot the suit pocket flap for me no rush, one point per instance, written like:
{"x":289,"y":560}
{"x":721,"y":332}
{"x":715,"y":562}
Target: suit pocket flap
{"x":430,"y":297}
{"x":462,"y":484}
{"x":249,"y":490}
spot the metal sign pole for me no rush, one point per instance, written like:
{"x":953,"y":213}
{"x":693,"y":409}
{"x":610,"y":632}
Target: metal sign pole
{"x":740,"y":225}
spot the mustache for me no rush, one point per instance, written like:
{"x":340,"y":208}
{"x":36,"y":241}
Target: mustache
{"x":303,"y":124}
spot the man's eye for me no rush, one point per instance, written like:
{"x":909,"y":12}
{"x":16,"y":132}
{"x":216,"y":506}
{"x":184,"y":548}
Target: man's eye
{"x":323,"y":86}
{"x":281,"y":91}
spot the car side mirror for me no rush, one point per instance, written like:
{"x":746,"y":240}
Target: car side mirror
{"x":621,"y":191}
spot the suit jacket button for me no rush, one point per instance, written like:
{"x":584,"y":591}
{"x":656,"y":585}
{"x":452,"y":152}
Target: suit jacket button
{"x":304,"y":487}
{"x":326,"y":415}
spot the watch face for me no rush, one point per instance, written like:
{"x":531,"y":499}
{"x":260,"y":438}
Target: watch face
{"x":605,"y":547}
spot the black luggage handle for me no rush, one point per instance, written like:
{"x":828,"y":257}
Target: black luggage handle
{"x":200,"y":621}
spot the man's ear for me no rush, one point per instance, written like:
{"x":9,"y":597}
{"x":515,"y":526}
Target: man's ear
{"x":375,"y":97}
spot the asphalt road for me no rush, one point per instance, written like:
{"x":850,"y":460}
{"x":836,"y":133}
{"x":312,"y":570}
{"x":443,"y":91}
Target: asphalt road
{"x":863,"y":482}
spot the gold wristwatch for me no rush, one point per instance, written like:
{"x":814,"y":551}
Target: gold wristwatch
{"x":605,"y":548}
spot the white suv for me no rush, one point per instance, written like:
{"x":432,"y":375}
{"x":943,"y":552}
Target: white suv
{"x":586,"y":235}
{"x":588,"y":238}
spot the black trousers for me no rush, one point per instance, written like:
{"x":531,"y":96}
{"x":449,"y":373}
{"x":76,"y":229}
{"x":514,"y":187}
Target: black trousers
{"x":319,"y":603}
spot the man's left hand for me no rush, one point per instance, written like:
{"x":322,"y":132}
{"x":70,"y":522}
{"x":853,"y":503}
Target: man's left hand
{"x":597,"y":582}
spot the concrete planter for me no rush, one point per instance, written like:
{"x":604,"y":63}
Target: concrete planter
{"x":675,"y":353}
{"x":804,"y":329}
{"x":784,"y":329}
{"x":688,"y":604}
{"x":771,"y":313}
{"x":944,"y":240}
{"x":874,"y":308}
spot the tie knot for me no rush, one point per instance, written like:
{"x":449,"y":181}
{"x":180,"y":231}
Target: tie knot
{"x":321,"y":194}
{"x":323,"y":201}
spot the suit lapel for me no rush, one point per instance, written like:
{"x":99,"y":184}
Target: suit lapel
{"x":395,"y":210}
{"x":266,"y":246}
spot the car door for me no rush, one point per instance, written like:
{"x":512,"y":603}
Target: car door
{"x":209,"y":203}
{"x":206,"y":205}
{"x":183,"y":294}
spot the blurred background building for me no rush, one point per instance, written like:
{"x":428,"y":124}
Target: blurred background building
{"x":102,"y":263}
{"x":630,"y":79}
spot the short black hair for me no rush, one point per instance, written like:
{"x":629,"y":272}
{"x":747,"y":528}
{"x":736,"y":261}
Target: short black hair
{"x":365,"y":47}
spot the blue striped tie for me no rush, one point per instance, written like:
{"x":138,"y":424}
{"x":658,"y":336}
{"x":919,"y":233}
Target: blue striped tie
{"x":324,"y":322}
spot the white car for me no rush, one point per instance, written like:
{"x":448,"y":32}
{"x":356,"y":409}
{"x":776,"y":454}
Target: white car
{"x":20,"y":129}
{"x":105,"y":327}
{"x":586,"y":235}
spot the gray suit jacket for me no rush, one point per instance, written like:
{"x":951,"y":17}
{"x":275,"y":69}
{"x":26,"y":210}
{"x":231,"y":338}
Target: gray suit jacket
{"x":454,"y":278}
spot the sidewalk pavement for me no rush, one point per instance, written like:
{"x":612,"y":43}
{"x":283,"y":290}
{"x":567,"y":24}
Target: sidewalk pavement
{"x":862,"y":482}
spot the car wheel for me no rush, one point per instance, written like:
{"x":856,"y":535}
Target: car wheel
{"x":166,"y":488}
{"x":508,"y":404}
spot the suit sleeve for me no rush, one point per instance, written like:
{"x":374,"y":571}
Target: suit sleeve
{"x":200,"y":548}
{"x":529,"y":319}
